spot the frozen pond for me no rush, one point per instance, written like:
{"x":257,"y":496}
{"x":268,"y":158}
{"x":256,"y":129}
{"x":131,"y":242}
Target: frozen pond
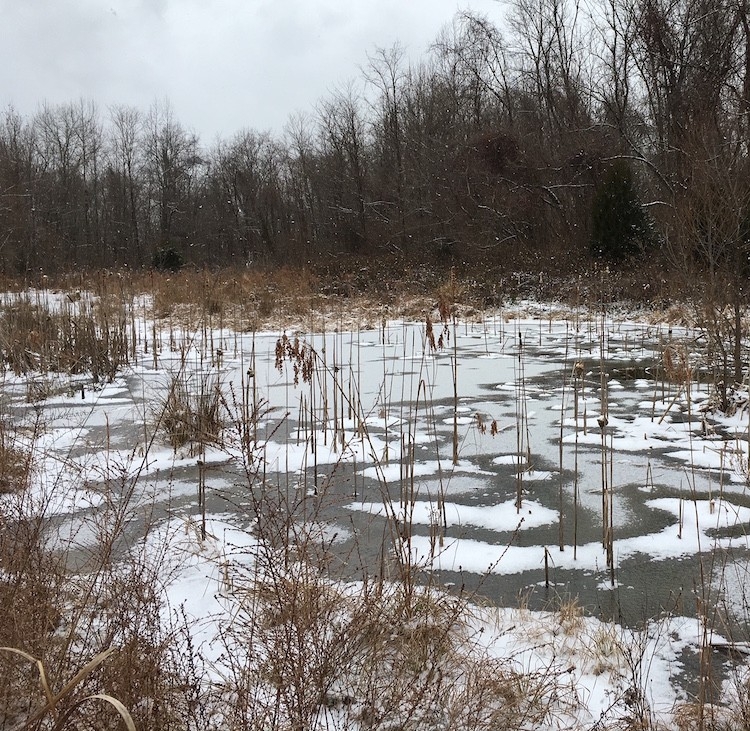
{"x":526,"y":455}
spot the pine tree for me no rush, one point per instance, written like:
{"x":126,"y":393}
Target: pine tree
{"x":620,"y":228}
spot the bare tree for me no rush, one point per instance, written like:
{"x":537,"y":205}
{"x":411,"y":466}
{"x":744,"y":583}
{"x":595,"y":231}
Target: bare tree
{"x":18,"y":246}
{"x":248,"y":172}
{"x":710,"y":243}
{"x":474,"y":57}
{"x":301,"y":183}
{"x":171,"y":161}
{"x":343,"y":141}
{"x":685,"y":53}
{"x":550,"y":61}
{"x":125,"y":160}
{"x":387,"y":72}
{"x":89,"y":141}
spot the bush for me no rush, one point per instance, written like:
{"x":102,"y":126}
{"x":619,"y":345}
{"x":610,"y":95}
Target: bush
{"x":168,"y":259}
{"x":620,"y":228}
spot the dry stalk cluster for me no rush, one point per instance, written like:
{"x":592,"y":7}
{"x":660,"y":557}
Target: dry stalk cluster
{"x":193,"y":414}
{"x":481,"y":425}
{"x":443,"y":338}
{"x":676,"y":363}
{"x":70,"y":339}
{"x":15,"y":459}
{"x":299,"y":354}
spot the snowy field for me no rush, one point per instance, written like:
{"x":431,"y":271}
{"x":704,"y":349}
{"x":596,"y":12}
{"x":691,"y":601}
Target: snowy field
{"x":580,"y":514}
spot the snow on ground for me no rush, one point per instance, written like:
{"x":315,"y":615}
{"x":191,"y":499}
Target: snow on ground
{"x":197,"y":575}
{"x":589,"y":672}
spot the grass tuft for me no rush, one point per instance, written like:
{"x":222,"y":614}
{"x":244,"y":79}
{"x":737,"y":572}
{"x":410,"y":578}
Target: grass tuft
{"x":192,"y":416}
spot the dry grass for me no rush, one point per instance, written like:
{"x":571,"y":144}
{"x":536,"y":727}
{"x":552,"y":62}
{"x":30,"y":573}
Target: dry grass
{"x":73,"y":338}
{"x":86,"y":649}
{"x":15,"y":460}
{"x":192,"y":414}
{"x":696,"y":716}
{"x":65,"y":704}
{"x":676,"y":363}
{"x":245,"y":299}
{"x":365,"y":657}
{"x":284,"y":298}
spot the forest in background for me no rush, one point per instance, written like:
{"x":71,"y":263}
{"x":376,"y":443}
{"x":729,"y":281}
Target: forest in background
{"x":617,"y":129}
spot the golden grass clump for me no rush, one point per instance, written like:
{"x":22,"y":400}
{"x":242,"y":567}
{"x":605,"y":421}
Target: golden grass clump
{"x":73,"y":338}
{"x":191,"y":415}
{"x":696,"y":716}
{"x":15,"y":460}
{"x":449,"y":295}
{"x":676,"y":364}
{"x":245,"y":298}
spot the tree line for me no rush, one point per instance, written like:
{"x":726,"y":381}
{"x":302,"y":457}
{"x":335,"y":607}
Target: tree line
{"x":564,"y":132}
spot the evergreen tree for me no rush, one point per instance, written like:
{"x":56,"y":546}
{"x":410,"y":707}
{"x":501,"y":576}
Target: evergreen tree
{"x":167,"y":260}
{"x":620,"y":228}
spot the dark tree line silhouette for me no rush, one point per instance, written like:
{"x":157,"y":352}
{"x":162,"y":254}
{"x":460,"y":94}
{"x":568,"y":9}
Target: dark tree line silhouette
{"x":498,"y":146}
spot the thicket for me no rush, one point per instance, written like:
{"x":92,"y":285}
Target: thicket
{"x":495,"y":148}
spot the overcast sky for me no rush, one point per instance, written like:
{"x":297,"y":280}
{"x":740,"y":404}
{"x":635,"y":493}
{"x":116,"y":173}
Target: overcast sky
{"x":223,"y":64}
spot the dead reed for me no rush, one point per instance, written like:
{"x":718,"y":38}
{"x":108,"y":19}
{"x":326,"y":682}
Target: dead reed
{"x":192,"y":414}
{"x":71,"y":337}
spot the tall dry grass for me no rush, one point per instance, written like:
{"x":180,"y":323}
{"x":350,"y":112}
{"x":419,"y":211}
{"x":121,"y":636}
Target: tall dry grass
{"x":70,"y":337}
